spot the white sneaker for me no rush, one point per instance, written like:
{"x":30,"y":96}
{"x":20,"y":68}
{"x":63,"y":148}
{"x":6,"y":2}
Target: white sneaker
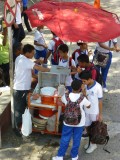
{"x":76,"y":158}
{"x":91,"y":148}
{"x":57,"y":158}
{"x":86,"y":146}
{"x":105,"y":90}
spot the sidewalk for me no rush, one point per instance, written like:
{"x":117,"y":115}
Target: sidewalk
{"x":43,"y":147}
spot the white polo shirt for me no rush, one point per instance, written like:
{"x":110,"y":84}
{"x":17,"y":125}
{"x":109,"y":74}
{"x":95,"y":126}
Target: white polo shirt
{"x":63,"y":78}
{"x":108,"y":43}
{"x":39,"y":37}
{"x":94,"y":94}
{"x":84,"y":103}
{"x":77,"y":55}
{"x":23,"y":73}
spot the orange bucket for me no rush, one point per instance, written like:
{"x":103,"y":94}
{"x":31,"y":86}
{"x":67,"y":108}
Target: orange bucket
{"x":46,"y":113}
{"x":49,"y":100}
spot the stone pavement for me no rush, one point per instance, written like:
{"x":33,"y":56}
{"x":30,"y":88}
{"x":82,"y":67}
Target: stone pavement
{"x":43,"y":147}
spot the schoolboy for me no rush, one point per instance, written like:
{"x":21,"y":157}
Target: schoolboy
{"x":22,"y":82}
{"x":82,"y":50}
{"x":74,"y":131}
{"x":40,"y":44}
{"x":52,"y":47}
{"x":94,"y":93}
{"x":65,"y":61}
{"x":83,"y":62}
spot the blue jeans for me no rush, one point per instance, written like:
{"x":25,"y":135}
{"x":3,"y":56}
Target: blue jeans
{"x":104,"y":71}
{"x":67,"y":134}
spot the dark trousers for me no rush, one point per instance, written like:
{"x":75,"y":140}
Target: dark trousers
{"x":18,"y":33}
{"x":26,"y":19}
{"x":20,"y":103}
{"x":6,"y":76}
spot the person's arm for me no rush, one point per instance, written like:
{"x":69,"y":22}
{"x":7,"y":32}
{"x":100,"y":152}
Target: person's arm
{"x":117,"y":49}
{"x":47,"y":56}
{"x":15,"y":25}
{"x":5,"y":36}
{"x":99,"y":118}
{"x":40,"y":68}
{"x":102,"y":45}
{"x":38,"y":44}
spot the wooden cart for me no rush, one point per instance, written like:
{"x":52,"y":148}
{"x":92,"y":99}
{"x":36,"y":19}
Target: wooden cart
{"x":51,"y":79}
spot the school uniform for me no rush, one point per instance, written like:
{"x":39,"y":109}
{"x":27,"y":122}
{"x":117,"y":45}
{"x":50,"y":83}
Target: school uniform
{"x":67,"y":80}
{"x":70,"y":131}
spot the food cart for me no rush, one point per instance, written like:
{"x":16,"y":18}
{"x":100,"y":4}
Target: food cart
{"x":49,"y":88}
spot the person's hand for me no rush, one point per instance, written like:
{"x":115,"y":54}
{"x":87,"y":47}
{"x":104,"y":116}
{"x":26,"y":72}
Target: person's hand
{"x":45,"y":46}
{"x":117,"y":49}
{"x":99,"y":118}
{"x":45,"y":60}
{"x":79,"y":70}
{"x":16,"y":25}
{"x":73,"y":68}
{"x":89,"y":52}
{"x":59,"y":102}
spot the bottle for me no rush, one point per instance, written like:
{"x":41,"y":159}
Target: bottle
{"x":61,"y":90}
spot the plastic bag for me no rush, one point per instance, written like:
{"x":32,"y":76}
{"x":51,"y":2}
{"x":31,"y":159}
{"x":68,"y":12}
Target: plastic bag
{"x":26,"y":123}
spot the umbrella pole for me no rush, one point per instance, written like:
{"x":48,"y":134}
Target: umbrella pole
{"x":70,"y":49}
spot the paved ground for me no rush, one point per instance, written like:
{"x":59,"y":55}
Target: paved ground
{"x":43,"y":147}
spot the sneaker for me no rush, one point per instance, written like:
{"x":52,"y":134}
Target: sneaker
{"x":91,"y":148}
{"x":57,"y":158}
{"x":86,"y":146}
{"x":76,"y":158}
{"x":105,"y":90}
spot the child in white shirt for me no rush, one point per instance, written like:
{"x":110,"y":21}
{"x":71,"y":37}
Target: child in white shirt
{"x":66,"y":61}
{"x":94,"y":94}
{"x":74,"y":131}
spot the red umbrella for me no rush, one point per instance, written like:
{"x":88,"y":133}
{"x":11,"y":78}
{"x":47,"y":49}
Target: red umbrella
{"x":73,"y":21}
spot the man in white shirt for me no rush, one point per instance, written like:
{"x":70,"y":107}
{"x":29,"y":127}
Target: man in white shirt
{"x":18,"y":30}
{"x":22,"y":82}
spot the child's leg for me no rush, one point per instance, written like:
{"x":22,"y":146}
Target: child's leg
{"x":65,"y":139}
{"x":77,"y":134}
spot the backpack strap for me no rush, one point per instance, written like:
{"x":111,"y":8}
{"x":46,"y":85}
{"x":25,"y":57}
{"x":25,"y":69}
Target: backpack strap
{"x":67,"y":96}
{"x":73,"y":54}
{"x":70,"y":61}
{"x":107,"y":139}
{"x":79,"y":100}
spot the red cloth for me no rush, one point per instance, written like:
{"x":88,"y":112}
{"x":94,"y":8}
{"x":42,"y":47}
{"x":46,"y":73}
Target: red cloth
{"x":73,"y":21}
